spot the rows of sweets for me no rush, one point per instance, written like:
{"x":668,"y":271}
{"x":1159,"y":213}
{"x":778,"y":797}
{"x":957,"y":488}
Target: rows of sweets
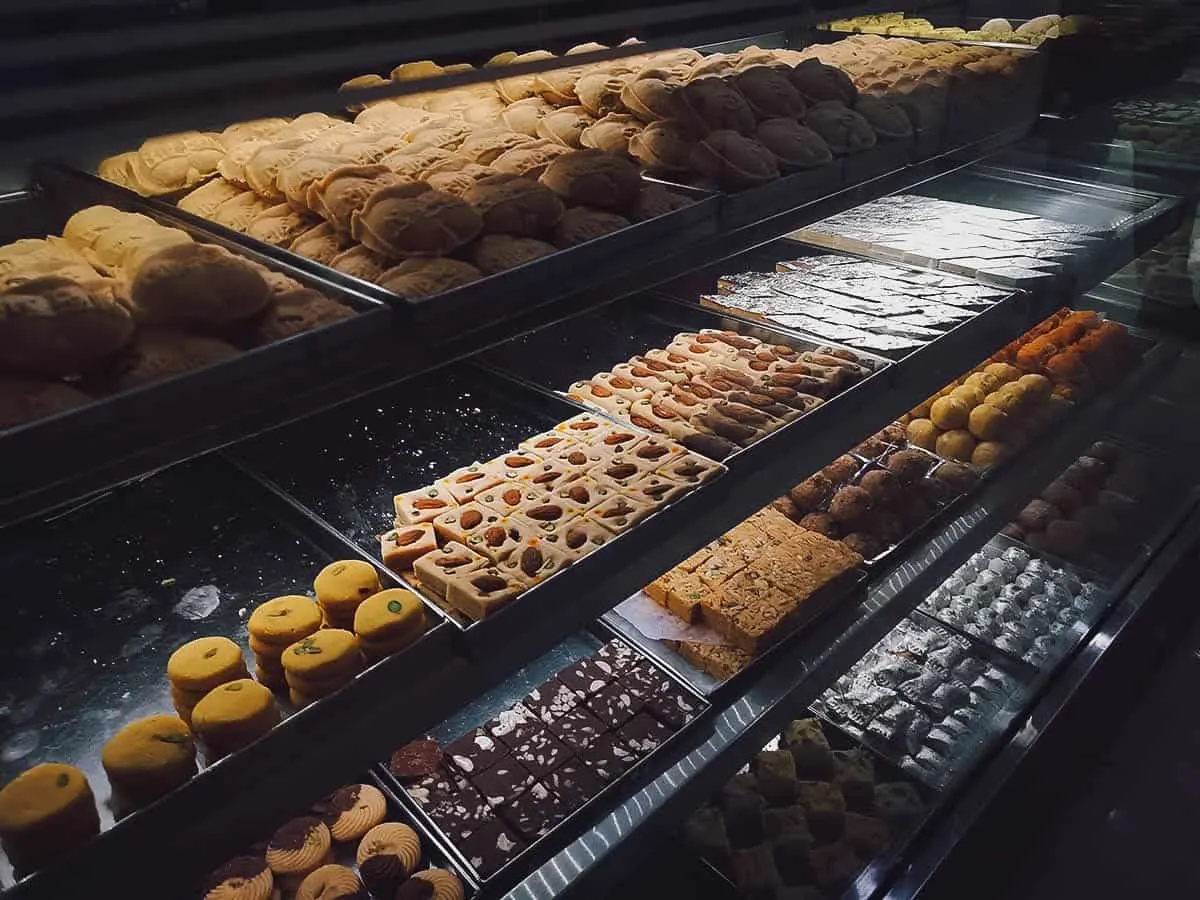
{"x":1162,"y":124}
{"x":1017,"y":602}
{"x":717,"y":390}
{"x":482,"y":535}
{"x":925,"y":696}
{"x":500,"y":787}
{"x":1094,"y":510}
{"x":1007,"y":246}
{"x":346,"y":847}
{"x":1033,"y":31}
{"x":804,"y":818}
{"x":877,"y":307}
{"x":750,"y":586}
{"x":430,"y":191}
{"x":303,"y":648}
{"x":119,"y":301}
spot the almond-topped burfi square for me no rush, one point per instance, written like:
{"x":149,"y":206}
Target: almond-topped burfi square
{"x":434,"y":569}
{"x":513,"y":466}
{"x":618,"y":471}
{"x":547,"y":444}
{"x":601,"y":396}
{"x":666,"y":371}
{"x":580,"y":536}
{"x":403,"y":546}
{"x":583,"y":493}
{"x":460,"y":523}
{"x":506,"y":499}
{"x":690,"y":468}
{"x":543,"y":513}
{"x":640,"y":375}
{"x":618,"y":439}
{"x":658,"y":489}
{"x":656,"y":452}
{"x":498,"y":541}
{"x":463,"y":484}
{"x":480,"y":593}
{"x":423,"y":504}
{"x":582,"y":458}
{"x":535,"y":561}
{"x":620,"y":513}
{"x":584,"y":427}
{"x":548,"y":475}
{"x":620,"y":386}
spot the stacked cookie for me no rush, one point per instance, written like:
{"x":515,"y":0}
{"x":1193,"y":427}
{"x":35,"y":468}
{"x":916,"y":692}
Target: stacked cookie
{"x":198,"y":667}
{"x":149,"y":758}
{"x":45,"y":813}
{"x":276,"y":625}
{"x":316,"y":666}
{"x":234,"y":715}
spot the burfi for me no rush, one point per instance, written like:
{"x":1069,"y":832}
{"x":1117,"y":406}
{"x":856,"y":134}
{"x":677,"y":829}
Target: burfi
{"x":825,"y":808}
{"x":686,"y":597}
{"x":544,"y":514}
{"x":585,"y":426}
{"x":511,"y":726}
{"x":491,"y":847}
{"x":535,"y":561}
{"x":574,"y":784}
{"x":619,"y":655}
{"x":475,"y":752}
{"x":744,"y":819}
{"x":620,"y":513}
{"x":581,"y":536}
{"x":807,"y":743}
{"x":690,"y":468}
{"x":582,"y":494}
{"x":403,"y":546}
{"x":422,"y":505}
{"x":463,"y":484}
{"x":587,"y":676}
{"x":582,"y":458}
{"x":898,"y":803}
{"x":643,"y":734}
{"x":854,"y":773}
{"x":435,"y":569}
{"x":785,"y":819}
{"x":503,"y":782}
{"x":506,"y":499}
{"x":541,"y":752}
{"x":416,"y":759}
{"x":793,"y":857}
{"x":513,"y":467}
{"x":614,"y":705}
{"x":776,"y":772}
{"x":480,"y":593}
{"x":658,"y":489}
{"x":754,"y":871}
{"x":440,"y":785}
{"x":717,"y":660}
{"x":866,"y":834}
{"x":835,"y":866}
{"x":547,"y":444}
{"x":671,"y":706}
{"x":546,"y":477}
{"x":704,"y":832}
{"x":460,"y":523}
{"x":498,"y":541}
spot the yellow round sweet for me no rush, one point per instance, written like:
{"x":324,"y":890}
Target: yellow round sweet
{"x":1005,"y":401}
{"x":390,"y":616}
{"x":921,"y":410}
{"x":1036,"y":386}
{"x":975,"y":380}
{"x":284,"y":620}
{"x":202,"y":664}
{"x":987,"y":382}
{"x":331,"y":653}
{"x":949,"y":413}
{"x":341,"y":586}
{"x":957,"y":444}
{"x":968,"y":394}
{"x":149,"y":757}
{"x":923,"y":433}
{"x":46,"y":812}
{"x":987,"y":423}
{"x":234,"y":714}
{"x":1003,"y":371}
{"x":988,"y":453}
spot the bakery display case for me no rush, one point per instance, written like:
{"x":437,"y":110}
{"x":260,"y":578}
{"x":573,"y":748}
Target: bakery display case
{"x":743,"y":452}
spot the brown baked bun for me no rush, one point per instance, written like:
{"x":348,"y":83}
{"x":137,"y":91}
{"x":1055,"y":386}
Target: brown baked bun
{"x":733,"y":160}
{"x":494,"y":253}
{"x":664,"y":147}
{"x":795,"y":146}
{"x":295,"y":312}
{"x":414,"y":220}
{"x":161,"y":353}
{"x":415,"y":279}
{"x":581,"y":224}
{"x":714,"y":104}
{"x":199,"y":286}
{"x":512,"y":204}
{"x":592,"y":178}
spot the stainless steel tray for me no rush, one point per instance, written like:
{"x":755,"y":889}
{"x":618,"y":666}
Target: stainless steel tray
{"x":504,"y":695}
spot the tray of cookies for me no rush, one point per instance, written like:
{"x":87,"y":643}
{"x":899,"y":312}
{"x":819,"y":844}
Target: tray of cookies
{"x":475,"y":489}
{"x":716,"y":384}
{"x":808,"y":815}
{"x":507,"y":778}
{"x":132,"y":328}
{"x":201,"y":637}
{"x":355,"y":841}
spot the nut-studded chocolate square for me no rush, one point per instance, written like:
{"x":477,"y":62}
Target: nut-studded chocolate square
{"x":643,"y":734}
{"x":511,"y":726}
{"x":614,"y":705}
{"x":587,"y":676}
{"x":550,"y":699}
{"x":503,"y":782}
{"x":619,"y":655}
{"x":475,"y":752}
{"x":574,"y":784}
{"x":577,"y":728}
{"x":535,"y":812}
{"x":460,"y":814}
{"x":463,"y":484}
{"x":541,"y":752}
{"x":440,"y":785}
{"x":607,"y":758}
{"x":491,"y":847}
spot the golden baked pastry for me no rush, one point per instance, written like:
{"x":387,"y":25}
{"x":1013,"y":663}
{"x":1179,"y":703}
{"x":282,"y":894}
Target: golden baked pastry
{"x":844,"y":130}
{"x":262,"y":168}
{"x":446,"y":135}
{"x":156,"y":354}
{"x":53,"y":326}
{"x":340,"y":194}
{"x":651,"y":98}
{"x":599,"y":92}
{"x":294,"y":312}
{"x":360,"y":262}
{"x":733,"y":160}
{"x":494,"y":253}
{"x":320,"y":243}
{"x":612,"y":133}
{"x":26,"y":399}
{"x":592,"y":178}
{"x":459,"y":181}
{"x":889,"y":120}
{"x":391,"y":118}
{"x":171,"y":162}
{"x":239,"y":211}
{"x":656,"y":200}
{"x":485,"y":148}
{"x":307,"y":126}
{"x":565,"y":126}
{"x":557,"y":86}
{"x":794,"y":145}
{"x":251,"y":130}
{"x":358,"y":83}
{"x":530,"y":159}
{"x":415,"y":220}
{"x":199,"y":285}
{"x":118,"y":169}
{"x":204,"y":200}
{"x":714,"y":104}
{"x":484,"y":111}
{"x":295,"y":178}
{"x":818,"y":82}
{"x":512,"y":204}
{"x":418,"y":163}
{"x":280,"y":225}
{"x":769,"y":93}
{"x":518,"y":87}
{"x":415,"y":279}
{"x":580,"y":224}
{"x":524,"y":115}
{"x":664,"y":147}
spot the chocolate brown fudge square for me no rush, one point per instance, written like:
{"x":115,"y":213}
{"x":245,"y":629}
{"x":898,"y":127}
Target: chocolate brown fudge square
{"x":835,"y":866}
{"x":578,"y":728}
{"x":535,"y":812}
{"x":617,"y":654}
{"x":776,"y":773}
{"x":704,"y":832}
{"x":489,"y":848}
{"x":744,"y":819}
{"x":672,"y":707}
{"x":898,"y":803}
{"x":503,"y":782}
{"x":782,"y":820}
{"x":416,"y":759}
{"x":574,"y":784}
{"x":511,"y":726}
{"x":587,"y":676}
{"x":614,"y":705}
{"x":550,"y":700}
{"x":461,"y":814}
{"x":607,"y":757}
{"x":644,"y":679}
{"x":441,"y":784}
{"x":541,"y":752}
{"x":643,"y":734}
{"x":475,"y":752}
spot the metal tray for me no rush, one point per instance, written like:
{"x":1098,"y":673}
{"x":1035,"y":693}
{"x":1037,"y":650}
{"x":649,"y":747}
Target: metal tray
{"x":172,"y":557}
{"x":577,"y":348}
{"x":345,"y":464}
{"x":505,"y":694}
{"x":42,"y":450}
{"x":497,"y":297}
{"x":846,"y":588}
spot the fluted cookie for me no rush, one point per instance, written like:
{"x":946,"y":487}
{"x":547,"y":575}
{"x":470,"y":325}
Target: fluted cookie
{"x":388,"y":854}
{"x":331,"y":882}
{"x":234,"y":715}
{"x":342,"y":586}
{"x":301,"y":846}
{"x":352,"y":811}
{"x":149,"y":758}
{"x":242,"y":878}
{"x":446,"y":885}
{"x":389,"y":621}
{"x":46,"y":812}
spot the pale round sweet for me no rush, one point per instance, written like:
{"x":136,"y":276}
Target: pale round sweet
{"x":342,"y":585}
{"x":204,"y":663}
{"x":949,"y":413}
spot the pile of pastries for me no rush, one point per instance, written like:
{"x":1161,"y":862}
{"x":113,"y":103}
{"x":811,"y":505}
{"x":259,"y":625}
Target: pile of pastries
{"x":804,"y":819}
{"x":749,"y":586}
{"x":119,"y":301}
{"x":1034,"y":32}
{"x":716,"y":390}
{"x":481,"y":536}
